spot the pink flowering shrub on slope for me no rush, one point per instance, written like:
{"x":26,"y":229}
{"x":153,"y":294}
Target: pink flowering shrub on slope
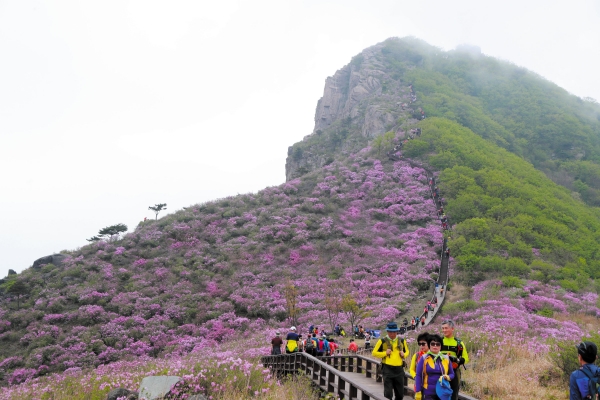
{"x":201,"y":274}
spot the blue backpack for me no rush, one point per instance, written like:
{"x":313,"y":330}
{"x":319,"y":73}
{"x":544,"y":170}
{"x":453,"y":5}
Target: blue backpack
{"x":592,"y":384}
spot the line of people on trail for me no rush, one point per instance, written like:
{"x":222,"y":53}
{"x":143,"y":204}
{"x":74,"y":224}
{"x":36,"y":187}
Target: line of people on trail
{"x":316,"y":345}
{"x":417,"y":321}
{"x":439,"y":358}
{"x":395,"y":154}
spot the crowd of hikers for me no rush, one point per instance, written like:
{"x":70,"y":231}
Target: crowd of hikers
{"x":320,"y":343}
{"x":435,"y":367}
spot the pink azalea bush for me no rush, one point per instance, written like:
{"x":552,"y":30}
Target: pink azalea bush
{"x":197,"y":276}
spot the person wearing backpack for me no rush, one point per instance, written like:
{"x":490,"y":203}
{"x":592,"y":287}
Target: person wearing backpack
{"x":423,"y":349}
{"x":457,"y":351}
{"x":583,"y":383}
{"x":322,"y":347}
{"x":292,"y":341}
{"x":392,"y":349}
{"x":332,"y":346}
{"x":431,"y":368}
{"x":310,"y":346}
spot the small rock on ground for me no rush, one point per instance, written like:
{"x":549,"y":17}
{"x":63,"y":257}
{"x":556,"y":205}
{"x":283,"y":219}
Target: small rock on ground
{"x":121,"y":392}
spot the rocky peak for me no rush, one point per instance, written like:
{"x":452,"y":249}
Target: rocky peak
{"x":360,"y":101}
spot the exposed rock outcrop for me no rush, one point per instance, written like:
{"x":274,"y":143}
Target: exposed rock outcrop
{"x":122,"y":393}
{"x":55,"y":259}
{"x":362,"y":100}
{"x":156,"y":387}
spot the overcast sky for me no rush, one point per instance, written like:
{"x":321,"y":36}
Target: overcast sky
{"x":108,"y":107}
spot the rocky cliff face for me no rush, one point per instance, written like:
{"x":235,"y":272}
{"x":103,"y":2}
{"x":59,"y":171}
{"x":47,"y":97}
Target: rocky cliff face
{"x":360,"y":101}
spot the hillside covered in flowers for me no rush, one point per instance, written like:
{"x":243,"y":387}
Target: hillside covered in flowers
{"x":210,"y":284}
{"x":200,"y":275}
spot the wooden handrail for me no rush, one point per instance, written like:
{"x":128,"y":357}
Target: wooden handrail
{"x":323,"y":372}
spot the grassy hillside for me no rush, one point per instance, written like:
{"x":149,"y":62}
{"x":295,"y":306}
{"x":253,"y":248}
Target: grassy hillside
{"x":364,"y":230}
{"x":361,"y":228}
{"x":557,"y":132}
{"x":510,"y":219}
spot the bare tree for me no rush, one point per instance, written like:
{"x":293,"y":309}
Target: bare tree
{"x":333,"y":305}
{"x":354,"y":311}
{"x":291,"y":302}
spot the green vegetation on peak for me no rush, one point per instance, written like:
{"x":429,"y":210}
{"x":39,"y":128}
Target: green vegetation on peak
{"x":559,"y":133}
{"x":511,"y":220}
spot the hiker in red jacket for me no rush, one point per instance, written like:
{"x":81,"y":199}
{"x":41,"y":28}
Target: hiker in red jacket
{"x":353,"y":347}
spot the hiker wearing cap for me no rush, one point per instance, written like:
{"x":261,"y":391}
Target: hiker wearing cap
{"x":392,"y":349}
{"x":276,"y":342}
{"x":456,"y":350}
{"x":579,"y":383}
{"x":292,"y":341}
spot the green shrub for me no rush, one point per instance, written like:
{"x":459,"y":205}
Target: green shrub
{"x":546,"y":312}
{"x":415,"y":148}
{"x":511,"y":281}
{"x":421,"y":284}
{"x":459,"y":307}
{"x":565,"y":356}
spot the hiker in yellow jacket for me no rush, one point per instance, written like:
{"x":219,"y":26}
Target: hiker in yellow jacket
{"x":392,"y":350}
{"x":456,"y":350}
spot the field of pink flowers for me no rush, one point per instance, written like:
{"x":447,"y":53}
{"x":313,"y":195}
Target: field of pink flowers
{"x":229,"y":370}
{"x":205,"y":287}
{"x":208,"y":272}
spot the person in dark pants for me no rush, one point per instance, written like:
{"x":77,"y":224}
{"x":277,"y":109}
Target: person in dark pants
{"x":392,"y":350}
{"x":456,"y":350}
{"x":276,"y":343}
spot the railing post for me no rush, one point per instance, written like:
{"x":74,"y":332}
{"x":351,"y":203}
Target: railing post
{"x":353,"y":392}
{"x":323,"y":377}
{"x":341,"y":387}
{"x":368,"y":373}
{"x":330,"y":382}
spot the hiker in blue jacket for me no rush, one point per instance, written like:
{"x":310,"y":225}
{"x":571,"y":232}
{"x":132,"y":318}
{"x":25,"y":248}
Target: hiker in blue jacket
{"x":579,"y":384}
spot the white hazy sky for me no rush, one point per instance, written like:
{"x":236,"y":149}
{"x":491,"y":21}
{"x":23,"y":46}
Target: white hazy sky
{"x":108,"y":107}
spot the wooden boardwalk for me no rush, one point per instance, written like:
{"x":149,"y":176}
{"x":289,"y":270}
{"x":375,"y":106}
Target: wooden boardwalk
{"x":368,"y":383}
{"x":355,"y":376}
{"x":352,"y":377}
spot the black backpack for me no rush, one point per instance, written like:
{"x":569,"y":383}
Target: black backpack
{"x":310,"y":345}
{"x":592,"y":383}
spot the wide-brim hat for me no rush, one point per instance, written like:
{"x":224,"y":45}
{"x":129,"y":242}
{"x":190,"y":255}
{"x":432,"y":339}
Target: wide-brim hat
{"x":392,"y":327}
